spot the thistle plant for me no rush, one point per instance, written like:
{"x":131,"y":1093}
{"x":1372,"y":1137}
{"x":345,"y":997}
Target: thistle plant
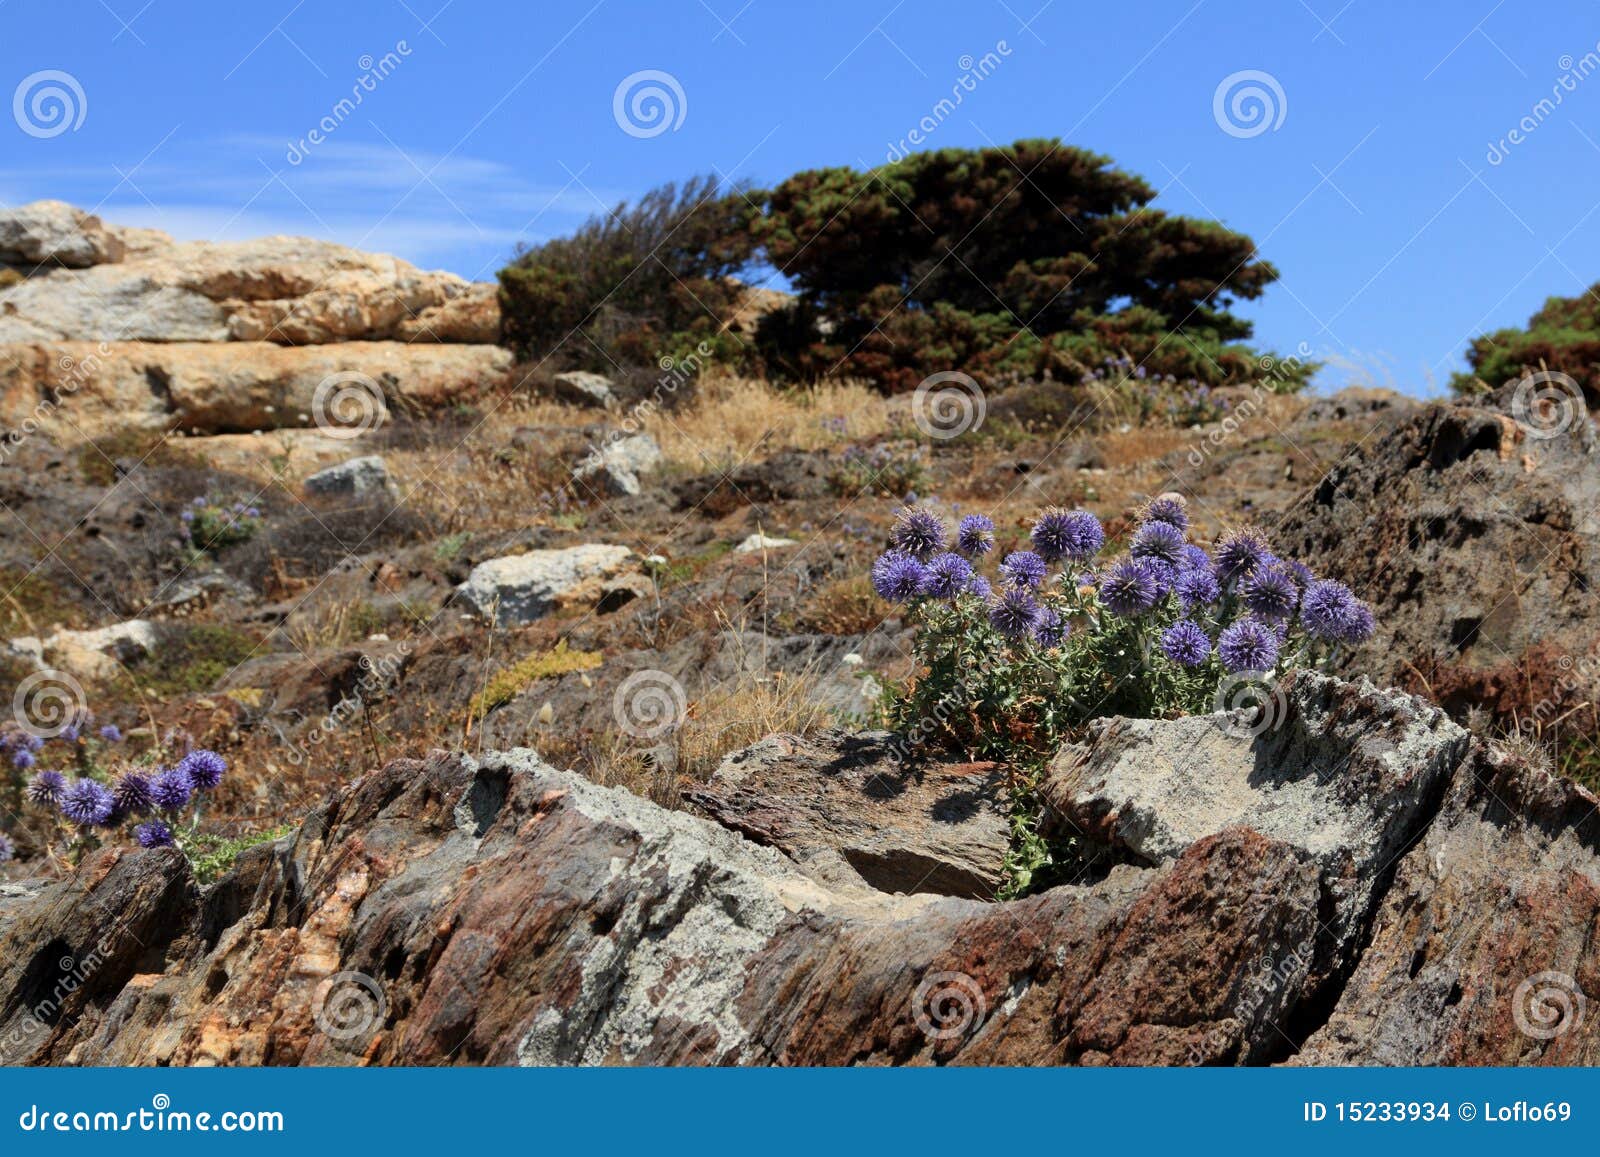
{"x":1013,"y":663}
{"x":210,"y":524}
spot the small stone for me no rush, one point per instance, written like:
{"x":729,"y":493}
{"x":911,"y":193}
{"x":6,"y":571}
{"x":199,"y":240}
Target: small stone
{"x":760,"y":542}
{"x":358,"y":476}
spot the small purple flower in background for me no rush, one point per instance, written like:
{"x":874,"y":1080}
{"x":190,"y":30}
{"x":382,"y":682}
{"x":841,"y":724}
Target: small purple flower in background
{"x":7,"y":849}
{"x":1270,"y":593}
{"x":171,"y":790}
{"x":204,"y":768}
{"x":47,"y":789}
{"x":1050,"y":629}
{"x":947,"y":575}
{"x":1361,"y":626}
{"x":88,"y":803}
{"x":1248,"y":646}
{"x":1185,"y":644}
{"x":154,"y":834}
{"x":1326,"y":609}
{"x":1168,"y":508}
{"x":1014,"y":613}
{"x":22,"y":759}
{"x":918,"y":532}
{"x":1069,"y":534}
{"x":1298,"y":571}
{"x":200,"y":500}
{"x":1022,"y":568}
{"x":1158,"y":540}
{"x":978,"y":585}
{"x":1197,"y":588}
{"x":111,"y":733}
{"x":1240,"y":553}
{"x":131,"y":793}
{"x":1128,"y":588}
{"x":187,"y":516}
{"x":975,"y":535}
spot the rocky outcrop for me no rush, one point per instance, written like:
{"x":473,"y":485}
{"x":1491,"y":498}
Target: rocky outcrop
{"x":496,"y":910}
{"x":519,"y":588}
{"x":53,"y":233}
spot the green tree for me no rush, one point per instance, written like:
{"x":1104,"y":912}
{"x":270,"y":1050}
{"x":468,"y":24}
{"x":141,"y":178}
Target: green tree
{"x":1564,"y":335}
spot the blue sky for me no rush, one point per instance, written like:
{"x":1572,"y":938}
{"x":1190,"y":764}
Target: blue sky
{"x":1374,"y":193}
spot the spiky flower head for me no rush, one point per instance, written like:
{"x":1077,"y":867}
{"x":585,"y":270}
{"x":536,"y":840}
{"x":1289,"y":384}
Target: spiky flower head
{"x":154,"y":834}
{"x":918,"y":532}
{"x":1158,"y":540}
{"x":1014,"y":612}
{"x":1169,"y":508}
{"x":1022,"y":568}
{"x":47,"y":789}
{"x":1185,"y":644}
{"x":1128,"y":588}
{"x":1361,"y":625}
{"x":1069,"y":534}
{"x":898,"y":577}
{"x":1248,"y":646}
{"x":978,"y":585}
{"x":1195,"y":558}
{"x":975,"y":535}
{"x":947,"y":575}
{"x":1051,"y":629}
{"x":88,"y":803}
{"x":171,"y":789}
{"x":1298,"y":571}
{"x":1197,"y":588}
{"x":1270,"y":592}
{"x":205,"y":768}
{"x":1327,"y":609}
{"x":132,"y":793}
{"x":1239,"y":553}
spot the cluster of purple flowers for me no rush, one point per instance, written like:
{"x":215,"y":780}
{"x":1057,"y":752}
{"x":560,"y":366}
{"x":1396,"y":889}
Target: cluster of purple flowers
{"x":22,"y":748}
{"x":158,"y":794}
{"x":207,"y":523}
{"x":1242,"y":595}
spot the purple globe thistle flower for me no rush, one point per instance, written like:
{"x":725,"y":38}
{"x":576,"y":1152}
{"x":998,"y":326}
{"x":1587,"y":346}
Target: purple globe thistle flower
{"x":1194,"y":558}
{"x":1327,"y":609}
{"x":1361,"y":626}
{"x":918,"y":532}
{"x":1185,"y":644}
{"x":201,"y":500}
{"x":975,"y":535}
{"x":1022,"y":568}
{"x":154,"y":834}
{"x":1014,"y":613}
{"x":1168,"y":508}
{"x":186,"y":517}
{"x":7,"y":849}
{"x":1248,"y":645}
{"x":22,"y":759}
{"x":1071,"y":534}
{"x":1298,"y":571}
{"x":947,"y":575}
{"x":131,"y":793}
{"x":171,"y":789}
{"x":1128,"y":588}
{"x":204,"y":768}
{"x":1162,"y":573}
{"x":1051,"y":628}
{"x":111,"y":733}
{"x":1240,"y":553}
{"x":1158,"y":540}
{"x":1270,"y":592}
{"x":898,"y":577}
{"x":88,"y":803}
{"x":1197,"y":588}
{"x":47,"y":789}
{"x":978,"y":585}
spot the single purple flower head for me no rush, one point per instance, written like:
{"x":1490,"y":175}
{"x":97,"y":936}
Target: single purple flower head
{"x":200,"y":500}
{"x":1270,"y":592}
{"x":88,"y":803}
{"x":187,"y":516}
{"x":205,"y":768}
{"x":898,"y":577}
{"x":47,"y":789}
{"x":1248,"y":646}
{"x":1022,"y":568}
{"x":1158,"y":540}
{"x":1197,"y":588}
{"x":1070,"y":534}
{"x":1128,"y":588}
{"x":154,"y":834}
{"x":1327,"y":609}
{"x":975,"y":535}
{"x":1239,"y":553}
{"x":111,"y":733}
{"x":947,"y":576}
{"x":1162,"y":573}
{"x":978,"y":585}
{"x":1051,"y":628}
{"x":22,"y":759}
{"x":1361,"y":625}
{"x":1185,"y":644}
{"x":1168,"y":508}
{"x":1298,"y":571}
{"x":918,"y":532}
{"x":171,"y":789}
{"x":132,"y":793}
{"x":1195,"y":558}
{"x":1014,"y":613}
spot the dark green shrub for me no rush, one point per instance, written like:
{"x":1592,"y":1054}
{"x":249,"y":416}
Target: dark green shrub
{"x":1563,"y":336}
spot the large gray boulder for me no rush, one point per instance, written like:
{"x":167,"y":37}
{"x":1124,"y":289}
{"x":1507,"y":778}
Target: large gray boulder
{"x":53,"y":233}
{"x":520,"y":588}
